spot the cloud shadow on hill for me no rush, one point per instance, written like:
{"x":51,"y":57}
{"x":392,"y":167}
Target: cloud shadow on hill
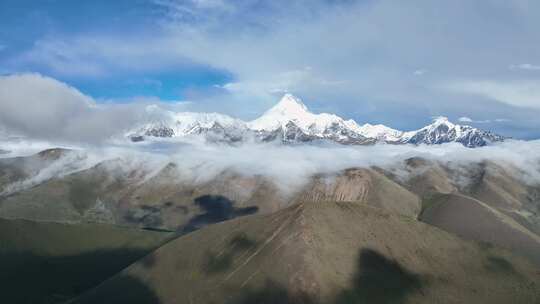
{"x":29,"y":278}
{"x":217,"y":208}
{"x":123,"y":289}
{"x":378,"y":279}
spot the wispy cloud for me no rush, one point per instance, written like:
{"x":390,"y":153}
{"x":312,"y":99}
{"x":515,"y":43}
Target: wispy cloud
{"x":517,"y":93}
{"x":465,"y":119}
{"x":102,"y":55}
{"x":525,"y":66}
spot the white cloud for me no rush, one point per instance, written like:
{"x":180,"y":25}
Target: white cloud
{"x":290,"y":167}
{"x":288,"y":81}
{"x":180,"y":9}
{"x":41,"y":107}
{"x":525,"y":66}
{"x":466,"y":119}
{"x":104,"y":55}
{"x":524,"y":93}
{"x":210,"y":3}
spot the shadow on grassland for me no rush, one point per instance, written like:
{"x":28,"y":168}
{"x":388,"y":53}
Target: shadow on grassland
{"x":123,"y":289}
{"x":380,"y":280}
{"x":217,"y":208}
{"x":29,"y":278}
{"x":34,"y":279}
{"x":377,"y":280}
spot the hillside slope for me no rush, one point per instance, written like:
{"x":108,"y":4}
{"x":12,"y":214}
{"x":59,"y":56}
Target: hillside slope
{"x":322,"y":253}
{"x":50,"y":262}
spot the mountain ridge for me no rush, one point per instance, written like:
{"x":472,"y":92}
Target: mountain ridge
{"x":290,"y":121}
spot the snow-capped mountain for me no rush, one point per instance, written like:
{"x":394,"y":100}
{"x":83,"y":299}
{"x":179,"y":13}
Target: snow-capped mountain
{"x":165,"y":123}
{"x":443,"y":131}
{"x":290,"y":121}
{"x":380,"y":132}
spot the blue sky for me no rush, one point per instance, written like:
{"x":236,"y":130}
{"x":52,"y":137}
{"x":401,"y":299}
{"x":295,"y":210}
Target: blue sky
{"x":27,"y":23}
{"x":394,"y":62}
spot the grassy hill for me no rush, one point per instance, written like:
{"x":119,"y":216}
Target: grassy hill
{"x":323,"y":252}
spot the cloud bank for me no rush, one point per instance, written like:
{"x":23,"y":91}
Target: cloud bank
{"x":39,"y":107}
{"x":289,"y":167}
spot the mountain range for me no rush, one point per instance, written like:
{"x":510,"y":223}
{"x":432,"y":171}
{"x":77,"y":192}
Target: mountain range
{"x":290,"y":121}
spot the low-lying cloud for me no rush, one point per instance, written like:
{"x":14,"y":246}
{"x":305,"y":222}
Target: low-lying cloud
{"x":291,"y":167}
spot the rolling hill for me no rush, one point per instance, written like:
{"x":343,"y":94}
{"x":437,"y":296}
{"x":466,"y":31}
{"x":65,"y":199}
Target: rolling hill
{"x":324,"y":252}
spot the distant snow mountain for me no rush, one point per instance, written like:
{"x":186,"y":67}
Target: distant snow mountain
{"x":380,"y":132}
{"x":172,"y":124}
{"x":443,"y":131}
{"x":290,"y":121}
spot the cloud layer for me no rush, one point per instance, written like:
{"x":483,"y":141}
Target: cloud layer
{"x":290,"y":167}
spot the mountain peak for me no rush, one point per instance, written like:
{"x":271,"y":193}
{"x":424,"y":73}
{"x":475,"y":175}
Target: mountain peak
{"x":289,"y":104}
{"x":441,"y":120}
{"x":289,"y":108}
